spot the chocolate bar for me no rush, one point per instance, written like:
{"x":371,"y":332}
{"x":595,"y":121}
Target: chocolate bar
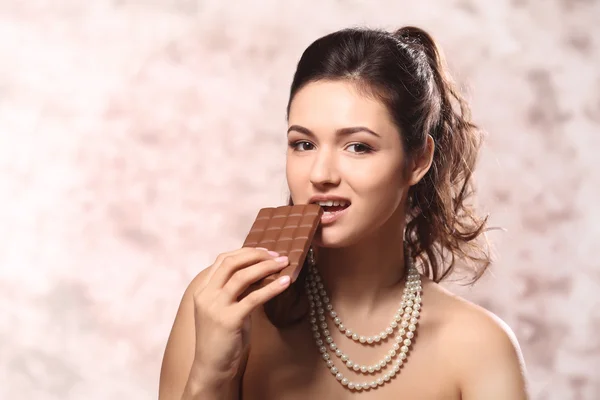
{"x":287,"y":230}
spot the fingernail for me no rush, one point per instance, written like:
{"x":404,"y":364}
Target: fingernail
{"x":282,"y":259}
{"x":284,"y":280}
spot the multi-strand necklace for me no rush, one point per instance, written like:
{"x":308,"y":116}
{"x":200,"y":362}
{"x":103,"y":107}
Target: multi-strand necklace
{"x":402,"y":329}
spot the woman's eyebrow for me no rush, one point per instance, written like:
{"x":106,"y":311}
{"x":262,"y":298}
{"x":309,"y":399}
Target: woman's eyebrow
{"x":339,"y":132}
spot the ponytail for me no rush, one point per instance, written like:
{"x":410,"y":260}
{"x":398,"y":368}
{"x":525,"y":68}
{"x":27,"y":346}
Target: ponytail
{"x":443,"y":225}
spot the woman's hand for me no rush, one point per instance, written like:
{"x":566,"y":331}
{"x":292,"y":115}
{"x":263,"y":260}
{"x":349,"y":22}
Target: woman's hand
{"x":222,"y":316}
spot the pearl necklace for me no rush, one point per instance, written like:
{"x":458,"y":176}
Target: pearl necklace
{"x":405,"y":321}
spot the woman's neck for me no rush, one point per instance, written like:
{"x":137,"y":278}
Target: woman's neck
{"x":360,"y":276}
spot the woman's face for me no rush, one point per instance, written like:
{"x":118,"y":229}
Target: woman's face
{"x":344,"y":150}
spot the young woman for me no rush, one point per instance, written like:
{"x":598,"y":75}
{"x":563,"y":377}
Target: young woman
{"x":380,"y":137}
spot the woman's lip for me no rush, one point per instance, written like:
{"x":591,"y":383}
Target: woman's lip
{"x":330,"y":217}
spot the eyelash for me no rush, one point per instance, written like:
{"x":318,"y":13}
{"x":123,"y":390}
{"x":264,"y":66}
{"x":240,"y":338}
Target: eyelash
{"x":368,"y":149}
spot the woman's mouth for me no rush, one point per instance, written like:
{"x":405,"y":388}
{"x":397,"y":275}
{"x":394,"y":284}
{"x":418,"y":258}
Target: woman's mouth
{"x":332,"y":210}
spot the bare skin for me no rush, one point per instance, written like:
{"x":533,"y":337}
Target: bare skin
{"x":460,"y":351}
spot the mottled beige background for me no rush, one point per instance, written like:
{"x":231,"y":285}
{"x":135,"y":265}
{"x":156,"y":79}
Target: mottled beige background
{"x":139,"y":138}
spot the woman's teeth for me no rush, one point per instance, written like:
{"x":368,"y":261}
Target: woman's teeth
{"x":333,"y":203}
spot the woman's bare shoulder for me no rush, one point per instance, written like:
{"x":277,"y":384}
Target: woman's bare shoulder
{"x":179,"y":351}
{"x":483,"y":348}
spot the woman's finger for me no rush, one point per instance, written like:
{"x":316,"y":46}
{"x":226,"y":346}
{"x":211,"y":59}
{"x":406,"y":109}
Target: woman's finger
{"x":244,"y":278}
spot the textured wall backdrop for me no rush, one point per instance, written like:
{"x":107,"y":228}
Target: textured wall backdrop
{"x":139,"y":138}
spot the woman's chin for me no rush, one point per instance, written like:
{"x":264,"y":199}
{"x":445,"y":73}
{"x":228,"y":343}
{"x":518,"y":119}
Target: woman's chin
{"x":334,"y":240}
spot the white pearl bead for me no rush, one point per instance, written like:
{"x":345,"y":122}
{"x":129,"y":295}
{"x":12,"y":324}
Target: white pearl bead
{"x":405,"y":321}
{"x":323,"y":349}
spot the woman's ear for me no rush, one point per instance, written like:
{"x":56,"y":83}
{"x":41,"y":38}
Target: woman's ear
{"x":421,"y":162}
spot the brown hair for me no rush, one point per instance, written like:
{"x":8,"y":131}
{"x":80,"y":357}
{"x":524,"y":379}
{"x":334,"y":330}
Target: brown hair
{"x":406,"y":71}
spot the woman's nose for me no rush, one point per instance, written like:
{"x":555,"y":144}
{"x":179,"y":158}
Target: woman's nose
{"x":324,"y":169}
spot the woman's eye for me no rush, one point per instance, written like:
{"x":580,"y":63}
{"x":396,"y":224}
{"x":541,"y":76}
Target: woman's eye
{"x":359,"y":148}
{"x":302,"y":145}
